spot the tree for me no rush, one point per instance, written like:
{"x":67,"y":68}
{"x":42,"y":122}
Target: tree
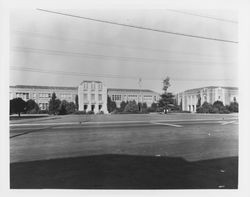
{"x":166,"y":101}
{"x":205,"y":108}
{"x":199,"y":101}
{"x":219,"y":105}
{"x":153,"y":107}
{"x":70,"y":107}
{"x":54,"y":104}
{"x":166,"y":84}
{"x":17,"y":105}
{"x":111,"y":105}
{"x":131,"y":107}
{"x":32,"y":107}
{"x":123,"y":105}
{"x":180,"y":107}
{"x":144,"y":107}
{"x":233,"y":107}
{"x":77,"y":102}
{"x":63,"y":105}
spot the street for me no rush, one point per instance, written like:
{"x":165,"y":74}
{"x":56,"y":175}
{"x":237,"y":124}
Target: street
{"x":192,"y":140}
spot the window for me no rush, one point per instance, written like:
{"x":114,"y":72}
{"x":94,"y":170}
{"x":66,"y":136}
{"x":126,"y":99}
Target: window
{"x":92,"y":97}
{"x":44,"y":95}
{"x":23,"y":95}
{"x":85,"y":85}
{"x":100,"y":86}
{"x":85,"y":97}
{"x":34,"y":95}
{"x":99,"y":97}
{"x":92,"y":86}
{"x":43,"y":106}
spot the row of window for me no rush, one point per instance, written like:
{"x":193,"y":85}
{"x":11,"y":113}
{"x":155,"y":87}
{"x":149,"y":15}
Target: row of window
{"x":22,"y":95}
{"x":85,"y":97}
{"x":119,"y":97}
{"x":93,"y":85}
{"x":26,"y":96}
{"x":116,"y":97}
{"x":44,"y":106}
{"x":43,"y":95}
{"x":66,"y":96}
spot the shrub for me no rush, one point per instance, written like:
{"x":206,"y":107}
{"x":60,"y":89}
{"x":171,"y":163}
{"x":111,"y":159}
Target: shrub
{"x":131,"y":107}
{"x":43,"y":111}
{"x":205,"y":108}
{"x":80,"y":112}
{"x":90,"y":112}
{"x":100,"y":112}
{"x":233,"y":107}
{"x":32,"y":107}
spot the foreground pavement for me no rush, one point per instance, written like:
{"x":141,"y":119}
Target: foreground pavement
{"x":192,"y":140}
{"x":149,"y":153}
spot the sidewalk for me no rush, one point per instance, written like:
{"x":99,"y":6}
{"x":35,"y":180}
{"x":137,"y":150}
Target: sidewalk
{"x":122,"y":118}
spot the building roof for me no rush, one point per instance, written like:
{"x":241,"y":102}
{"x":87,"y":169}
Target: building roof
{"x":211,"y":87}
{"x":44,"y":87}
{"x":131,"y":90}
{"x":89,"y":81}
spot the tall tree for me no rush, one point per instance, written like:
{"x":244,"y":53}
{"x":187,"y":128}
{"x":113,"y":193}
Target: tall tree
{"x":153,"y":107}
{"x":166,"y":101}
{"x":17,"y":105}
{"x":32,"y":107}
{"x":77,"y":102}
{"x":123,"y":105}
{"x":111,"y":105}
{"x":166,"y":84}
{"x":54,"y":104}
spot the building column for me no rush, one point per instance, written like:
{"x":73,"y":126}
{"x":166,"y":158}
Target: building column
{"x":96,"y":110}
{"x":88,"y":108}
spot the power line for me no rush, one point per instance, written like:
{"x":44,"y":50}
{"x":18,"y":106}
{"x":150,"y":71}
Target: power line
{"x":139,"y":27}
{"x":203,"y":16}
{"x":108,"y":57}
{"x":59,"y":72}
{"x":42,"y":35}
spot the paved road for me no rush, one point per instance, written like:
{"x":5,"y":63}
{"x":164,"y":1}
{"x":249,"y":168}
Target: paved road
{"x":192,"y":140}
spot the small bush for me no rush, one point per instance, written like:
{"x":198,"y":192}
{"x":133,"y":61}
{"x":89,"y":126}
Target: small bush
{"x":80,"y":112}
{"x":43,"y":112}
{"x":100,"y":112}
{"x":90,"y":112}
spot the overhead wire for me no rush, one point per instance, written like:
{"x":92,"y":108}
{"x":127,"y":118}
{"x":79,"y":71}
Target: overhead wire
{"x":139,"y":27}
{"x":203,"y":16}
{"x":109,"y":57}
{"x":58,"y":72}
{"x":80,"y":41}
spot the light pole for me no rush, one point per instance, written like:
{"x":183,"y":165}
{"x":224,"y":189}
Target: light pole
{"x":140,"y":93}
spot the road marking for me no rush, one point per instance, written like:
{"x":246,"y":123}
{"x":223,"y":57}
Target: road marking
{"x":230,"y":122}
{"x":116,"y":122}
{"x":166,"y":124}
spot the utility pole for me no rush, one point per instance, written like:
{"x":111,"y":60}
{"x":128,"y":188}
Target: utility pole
{"x":140,"y":93}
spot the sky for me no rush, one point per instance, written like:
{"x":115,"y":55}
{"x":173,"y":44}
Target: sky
{"x":56,"y":50}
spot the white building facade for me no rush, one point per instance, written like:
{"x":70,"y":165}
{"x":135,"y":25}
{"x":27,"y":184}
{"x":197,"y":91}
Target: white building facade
{"x":139,"y":96}
{"x":42,"y":94}
{"x":189,"y":99}
{"x":92,"y":96}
